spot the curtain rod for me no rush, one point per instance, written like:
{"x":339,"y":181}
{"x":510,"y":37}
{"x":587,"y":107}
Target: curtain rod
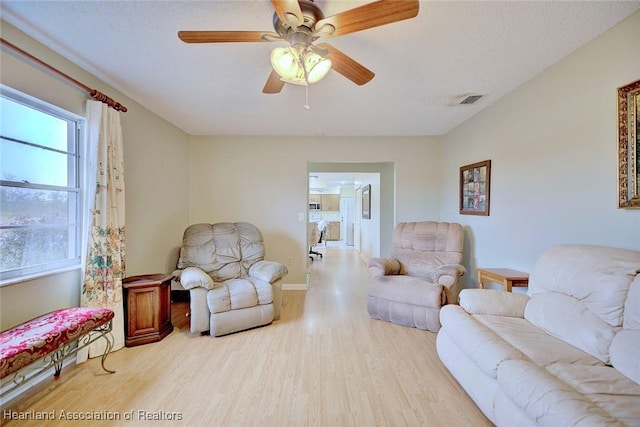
{"x":95,"y":94}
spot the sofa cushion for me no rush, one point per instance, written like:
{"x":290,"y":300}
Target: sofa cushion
{"x":491,"y":301}
{"x":632,"y":306}
{"x":604,"y":386}
{"x":547,"y":400}
{"x":535,"y":343}
{"x":625,"y":353}
{"x":598,"y":276}
{"x":481,"y":346}
{"x":569,"y":319}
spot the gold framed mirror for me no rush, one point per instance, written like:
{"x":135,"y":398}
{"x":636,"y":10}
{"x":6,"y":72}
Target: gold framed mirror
{"x":629,"y":145}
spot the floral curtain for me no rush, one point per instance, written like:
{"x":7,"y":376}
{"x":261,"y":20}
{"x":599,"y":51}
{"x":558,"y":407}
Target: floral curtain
{"x":104,"y":257}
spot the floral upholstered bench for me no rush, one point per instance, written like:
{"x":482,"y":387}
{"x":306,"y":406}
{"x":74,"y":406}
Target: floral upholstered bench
{"x":52,"y":337}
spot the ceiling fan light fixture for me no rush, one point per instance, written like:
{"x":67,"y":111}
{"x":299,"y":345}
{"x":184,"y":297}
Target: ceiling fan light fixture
{"x":317,"y":67}
{"x":300,"y":68}
{"x":285,"y":61}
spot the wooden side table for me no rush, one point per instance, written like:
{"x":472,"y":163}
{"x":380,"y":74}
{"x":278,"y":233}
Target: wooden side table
{"x":147,"y":308}
{"x":504,"y":276}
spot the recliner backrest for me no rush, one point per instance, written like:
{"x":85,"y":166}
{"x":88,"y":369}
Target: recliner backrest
{"x":224,"y":250}
{"x":423,"y":246}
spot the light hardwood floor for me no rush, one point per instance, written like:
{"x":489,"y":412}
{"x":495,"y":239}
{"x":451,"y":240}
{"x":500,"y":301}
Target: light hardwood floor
{"x":325,"y":363}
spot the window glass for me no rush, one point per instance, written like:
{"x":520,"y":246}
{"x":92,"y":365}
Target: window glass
{"x":25,"y":163}
{"x":27,"y":206}
{"x":39,"y":191}
{"x":25,"y":123}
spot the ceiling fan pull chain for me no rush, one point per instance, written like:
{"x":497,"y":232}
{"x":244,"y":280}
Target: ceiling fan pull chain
{"x":306,"y":97}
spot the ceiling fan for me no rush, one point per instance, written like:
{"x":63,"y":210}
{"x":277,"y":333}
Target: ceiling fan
{"x":301,"y":23}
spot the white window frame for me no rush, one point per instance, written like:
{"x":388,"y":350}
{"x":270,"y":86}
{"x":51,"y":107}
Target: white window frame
{"x":76,"y":220}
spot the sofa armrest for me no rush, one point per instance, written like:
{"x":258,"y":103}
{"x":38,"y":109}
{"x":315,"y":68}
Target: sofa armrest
{"x":491,"y":301}
{"x":268,"y":271}
{"x":447,"y":274}
{"x":193,"y":277}
{"x":384,"y":266}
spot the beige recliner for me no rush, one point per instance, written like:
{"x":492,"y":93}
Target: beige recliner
{"x":421,"y":275}
{"x":231,"y":286}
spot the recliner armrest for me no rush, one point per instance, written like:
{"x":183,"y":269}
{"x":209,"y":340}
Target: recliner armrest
{"x":268,"y":271}
{"x":491,"y":301}
{"x":384,"y":266}
{"x":447,"y":274}
{"x":193,"y":277}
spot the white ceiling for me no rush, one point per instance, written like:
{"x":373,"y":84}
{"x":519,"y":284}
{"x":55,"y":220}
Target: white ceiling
{"x":423,"y":66}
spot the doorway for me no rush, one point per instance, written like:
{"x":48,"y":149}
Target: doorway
{"x":332,"y":205}
{"x":369,"y":237}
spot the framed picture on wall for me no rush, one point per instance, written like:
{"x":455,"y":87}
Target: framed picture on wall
{"x":366,"y":202}
{"x":475,"y":186}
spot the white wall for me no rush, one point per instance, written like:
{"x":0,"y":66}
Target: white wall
{"x":552,"y":143}
{"x":263,"y":180}
{"x":553,"y":147}
{"x":156,"y":181}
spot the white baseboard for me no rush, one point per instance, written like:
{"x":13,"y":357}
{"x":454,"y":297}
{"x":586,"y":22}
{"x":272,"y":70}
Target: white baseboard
{"x":294,"y":287}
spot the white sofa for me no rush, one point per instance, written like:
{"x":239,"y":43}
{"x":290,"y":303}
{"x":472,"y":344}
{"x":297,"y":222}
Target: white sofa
{"x":565,"y":354}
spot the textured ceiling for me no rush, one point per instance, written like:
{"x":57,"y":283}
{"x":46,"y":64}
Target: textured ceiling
{"x":423,"y":66}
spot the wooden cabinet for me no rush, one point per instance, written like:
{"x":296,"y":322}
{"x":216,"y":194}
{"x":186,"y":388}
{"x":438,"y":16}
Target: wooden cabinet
{"x":147,"y":308}
{"x":330,"y":202}
{"x":333,"y":230}
{"x":327,"y":202}
{"x":315,"y":198}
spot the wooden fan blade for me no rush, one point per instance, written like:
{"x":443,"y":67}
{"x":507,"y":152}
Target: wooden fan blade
{"x":370,"y":15}
{"x":347,"y":66}
{"x":225,"y":36}
{"x":274,"y":83}
{"x":289,"y":12}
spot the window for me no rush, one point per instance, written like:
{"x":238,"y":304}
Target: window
{"x":40,"y":209}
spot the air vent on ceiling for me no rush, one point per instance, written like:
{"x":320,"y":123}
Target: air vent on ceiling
{"x":468,"y":100}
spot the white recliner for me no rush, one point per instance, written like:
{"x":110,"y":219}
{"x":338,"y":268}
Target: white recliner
{"x":420,"y":276}
{"x":232,"y":288}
